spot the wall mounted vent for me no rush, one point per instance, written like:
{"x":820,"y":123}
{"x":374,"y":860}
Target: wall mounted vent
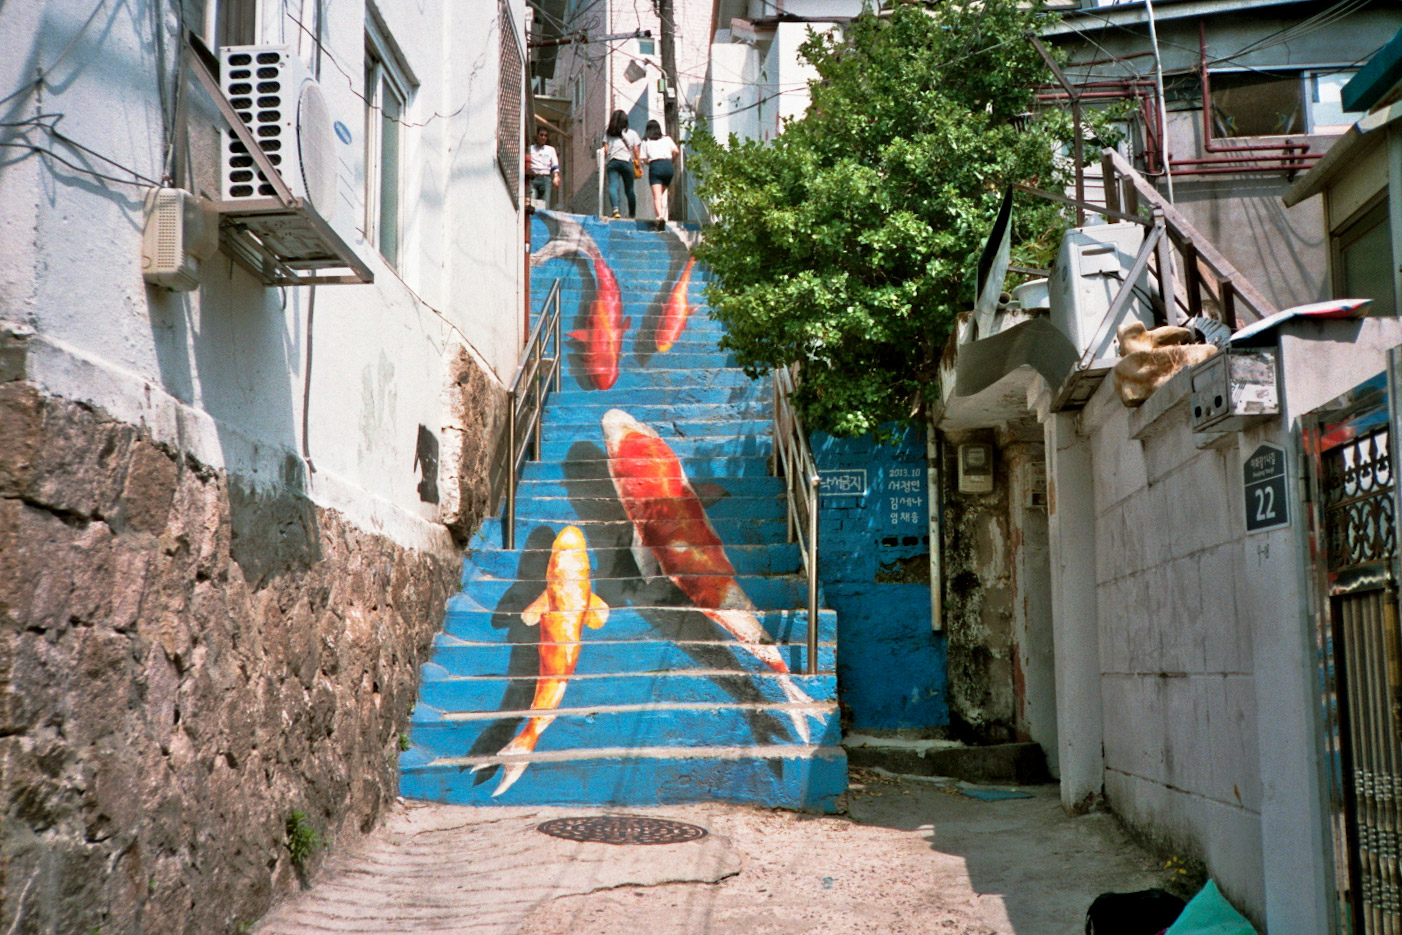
{"x":181,"y":230}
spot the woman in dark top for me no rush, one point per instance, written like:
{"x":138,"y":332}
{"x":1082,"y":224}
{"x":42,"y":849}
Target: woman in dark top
{"x":620,"y":149}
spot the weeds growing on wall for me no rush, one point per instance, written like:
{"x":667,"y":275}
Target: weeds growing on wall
{"x":302,"y":839}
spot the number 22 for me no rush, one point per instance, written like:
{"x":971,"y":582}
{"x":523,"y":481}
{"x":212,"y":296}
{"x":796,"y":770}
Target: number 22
{"x":1265,"y":503}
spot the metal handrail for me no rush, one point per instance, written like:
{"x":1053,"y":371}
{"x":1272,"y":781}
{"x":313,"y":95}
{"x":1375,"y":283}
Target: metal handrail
{"x":794,"y":461}
{"x":536,"y":376}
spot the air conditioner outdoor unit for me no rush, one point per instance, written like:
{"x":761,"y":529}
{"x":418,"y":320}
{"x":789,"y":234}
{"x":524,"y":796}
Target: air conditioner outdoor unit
{"x":1088,"y":273}
{"x":277,"y":97}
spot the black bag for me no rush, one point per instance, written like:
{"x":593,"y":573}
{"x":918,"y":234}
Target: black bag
{"x":1147,"y":912}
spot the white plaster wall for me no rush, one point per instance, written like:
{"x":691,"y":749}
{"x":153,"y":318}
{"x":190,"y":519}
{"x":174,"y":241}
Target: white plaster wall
{"x":734,"y":91}
{"x":222,"y":372}
{"x":1177,"y":676}
{"x":1208,"y":700}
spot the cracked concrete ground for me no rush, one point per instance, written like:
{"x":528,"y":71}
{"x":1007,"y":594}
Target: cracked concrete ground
{"x":910,"y":857}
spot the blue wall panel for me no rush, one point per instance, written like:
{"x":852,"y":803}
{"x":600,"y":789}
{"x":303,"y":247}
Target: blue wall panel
{"x":874,"y":565}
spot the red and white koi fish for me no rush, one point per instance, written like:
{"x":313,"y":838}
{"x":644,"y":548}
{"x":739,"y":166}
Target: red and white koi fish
{"x":675,"y":312}
{"x":602,"y":334}
{"x":673,"y":537}
{"x":564,"y":608}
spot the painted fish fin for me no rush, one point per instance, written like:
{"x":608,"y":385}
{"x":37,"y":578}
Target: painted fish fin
{"x":708,"y":492}
{"x":510,"y":772}
{"x":553,"y":250}
{"x":597,"y":614}
{"x":531,"y":615}
{"x":577,"y":335}
{"x":646,"y":561}
{"x":627,"y":322}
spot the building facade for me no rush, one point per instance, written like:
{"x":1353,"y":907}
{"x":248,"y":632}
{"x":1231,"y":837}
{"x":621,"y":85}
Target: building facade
{"x":230,"y":508}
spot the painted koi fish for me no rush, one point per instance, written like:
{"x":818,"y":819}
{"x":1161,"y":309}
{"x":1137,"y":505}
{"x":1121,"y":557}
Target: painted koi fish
{"x":675,"y":312}
{"x":605,"y":324}
{"x":673,"y":537}
{"x":564,"y":608}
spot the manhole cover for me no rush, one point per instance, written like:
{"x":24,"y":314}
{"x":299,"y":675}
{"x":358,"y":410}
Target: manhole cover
{"x":622,"y":829}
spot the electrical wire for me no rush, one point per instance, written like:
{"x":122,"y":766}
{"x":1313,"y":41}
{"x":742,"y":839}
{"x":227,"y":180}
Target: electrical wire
{"x":1318,"y":21}
{"x":139,"y":180}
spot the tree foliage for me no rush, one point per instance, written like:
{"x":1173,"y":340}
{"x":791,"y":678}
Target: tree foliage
{"x":848,"y":242}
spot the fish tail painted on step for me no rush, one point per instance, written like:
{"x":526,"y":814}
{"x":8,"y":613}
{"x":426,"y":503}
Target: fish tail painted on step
{"x":520,"y":745}
{"x":746,"y":628}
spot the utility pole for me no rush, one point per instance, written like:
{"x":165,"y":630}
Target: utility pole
{"x":669,"y":67}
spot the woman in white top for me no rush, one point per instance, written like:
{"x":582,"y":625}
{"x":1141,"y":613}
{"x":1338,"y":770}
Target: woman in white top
{"x":659,"y":151}
{"x":620,"y":149}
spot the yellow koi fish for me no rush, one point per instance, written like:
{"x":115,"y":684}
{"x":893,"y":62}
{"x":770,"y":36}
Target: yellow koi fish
{"x":564,"y":608}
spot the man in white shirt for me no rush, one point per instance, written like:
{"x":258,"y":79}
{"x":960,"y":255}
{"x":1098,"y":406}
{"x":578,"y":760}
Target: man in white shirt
{"x":542,"y":167}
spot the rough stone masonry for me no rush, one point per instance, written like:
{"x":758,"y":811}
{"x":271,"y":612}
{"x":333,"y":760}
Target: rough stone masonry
{"x":185,"y":661}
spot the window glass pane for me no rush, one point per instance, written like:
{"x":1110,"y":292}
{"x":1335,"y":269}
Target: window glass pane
{"x":1257,"y":103}
{"x":372,"y":136}
{"x":236,"y":23}
{"x":1326,"y":108}
{"x":1365,"y":261}
{"x":389,"y":174}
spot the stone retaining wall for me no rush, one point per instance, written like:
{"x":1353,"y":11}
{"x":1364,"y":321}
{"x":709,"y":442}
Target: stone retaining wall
{"x":184,"y":662}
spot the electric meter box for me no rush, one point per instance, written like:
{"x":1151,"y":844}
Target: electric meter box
{"x":975,"y":468}
{"x":1235,"y":389}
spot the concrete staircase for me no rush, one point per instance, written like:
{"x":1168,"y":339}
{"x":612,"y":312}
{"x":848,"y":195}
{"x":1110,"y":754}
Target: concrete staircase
{"x":657,"y":702}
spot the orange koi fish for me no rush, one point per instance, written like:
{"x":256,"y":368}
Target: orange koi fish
{"x":602,"y":335}
{"x":673,"y":537}
{"x":674,"y":313}
{"x":564,"y":608}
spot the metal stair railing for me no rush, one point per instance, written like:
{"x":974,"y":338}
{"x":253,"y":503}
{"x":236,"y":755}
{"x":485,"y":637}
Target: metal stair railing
{"x":793,"y":460}
{"x":536,"y":377}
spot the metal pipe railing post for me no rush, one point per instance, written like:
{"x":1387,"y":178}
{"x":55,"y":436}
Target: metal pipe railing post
{"x":559,"y":346}
{"x":538,"y":410}
{"x":509,"y":523}
{"x":813,"y":575}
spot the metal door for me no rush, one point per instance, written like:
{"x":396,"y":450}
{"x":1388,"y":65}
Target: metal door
{"x":1347,"y":445}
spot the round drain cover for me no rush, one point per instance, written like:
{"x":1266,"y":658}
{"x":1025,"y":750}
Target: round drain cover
{"x":622,"y":829}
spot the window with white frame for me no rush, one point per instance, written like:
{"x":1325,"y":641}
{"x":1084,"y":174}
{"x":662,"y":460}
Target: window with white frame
{"x":387,"y":95}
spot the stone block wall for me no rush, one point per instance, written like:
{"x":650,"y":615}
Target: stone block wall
{"x":185,"y":661}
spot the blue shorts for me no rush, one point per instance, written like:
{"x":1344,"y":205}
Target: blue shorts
{"x":660,"y":172}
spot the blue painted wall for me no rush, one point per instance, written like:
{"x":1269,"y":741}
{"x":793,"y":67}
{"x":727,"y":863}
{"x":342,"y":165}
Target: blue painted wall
{"x":874,"y":525}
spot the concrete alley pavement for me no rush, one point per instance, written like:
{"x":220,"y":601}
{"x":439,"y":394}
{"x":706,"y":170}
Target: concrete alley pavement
{"x":911,"y":856}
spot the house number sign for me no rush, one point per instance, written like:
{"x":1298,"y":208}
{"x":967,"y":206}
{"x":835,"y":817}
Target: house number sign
{"x":1263,"y":482}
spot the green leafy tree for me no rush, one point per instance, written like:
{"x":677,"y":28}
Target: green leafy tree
{"x":848,"y":242}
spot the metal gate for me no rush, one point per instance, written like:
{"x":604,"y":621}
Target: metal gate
{"x":1353,"y":496}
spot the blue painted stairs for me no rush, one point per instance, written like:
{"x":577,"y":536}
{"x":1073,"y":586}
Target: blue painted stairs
{"x":664,"y":706}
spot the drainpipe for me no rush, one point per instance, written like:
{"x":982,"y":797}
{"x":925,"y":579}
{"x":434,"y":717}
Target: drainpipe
{"x":934,"y":480}
{"x":1163,"y":104}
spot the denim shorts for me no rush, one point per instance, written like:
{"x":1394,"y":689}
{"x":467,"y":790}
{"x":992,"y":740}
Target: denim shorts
{"x":660,"y":172}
